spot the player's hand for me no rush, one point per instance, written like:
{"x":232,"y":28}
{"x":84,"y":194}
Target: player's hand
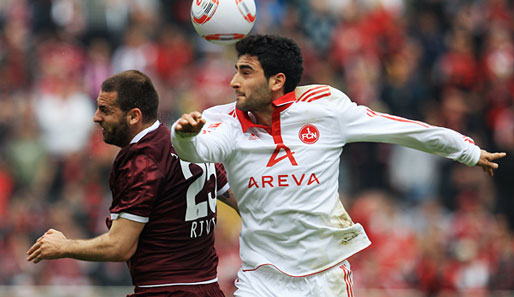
{"x":190,"y":123}
{"x":47,"y":247}
{"x":486,"y":159}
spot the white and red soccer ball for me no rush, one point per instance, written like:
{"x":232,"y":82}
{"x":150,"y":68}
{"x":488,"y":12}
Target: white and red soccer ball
{"x":223,"y":21}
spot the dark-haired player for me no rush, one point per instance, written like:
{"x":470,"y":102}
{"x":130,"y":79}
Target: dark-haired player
{"x":163,"y":211}
{"x":281,"y":145}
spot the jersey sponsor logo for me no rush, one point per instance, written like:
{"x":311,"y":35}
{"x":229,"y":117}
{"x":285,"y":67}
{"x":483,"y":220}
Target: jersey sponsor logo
{"x":283,"y":180}
{"x":201,"y":227}
{"x":308,"y":134}
{"x":275,"y":158}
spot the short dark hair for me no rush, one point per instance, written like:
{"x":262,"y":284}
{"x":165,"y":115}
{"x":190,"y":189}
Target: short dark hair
{"x":276,"y":54}
{"x":135,"y":90}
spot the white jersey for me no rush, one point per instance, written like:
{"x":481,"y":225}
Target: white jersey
{"x":285,"y":177}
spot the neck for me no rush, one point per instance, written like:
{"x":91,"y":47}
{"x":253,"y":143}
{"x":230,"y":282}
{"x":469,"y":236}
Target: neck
{"x":144,"y":126}
{"x":140,"y":127}
{"x":264,"y":115}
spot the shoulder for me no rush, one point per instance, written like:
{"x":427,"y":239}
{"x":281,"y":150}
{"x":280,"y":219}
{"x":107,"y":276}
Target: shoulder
{"x":155,"y":147}
{"x":153,"y":142}
{"x":220,"y":110}
{"x":132,"y":163}
{"x":311,"y":93}
{"x":320,"y":94}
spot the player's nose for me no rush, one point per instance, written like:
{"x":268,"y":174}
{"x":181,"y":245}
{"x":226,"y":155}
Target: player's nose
{"x":97,"y":118}
{"x":234,"y":83}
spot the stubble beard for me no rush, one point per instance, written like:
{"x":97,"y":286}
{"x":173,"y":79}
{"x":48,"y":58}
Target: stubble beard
{"x":259,"y":100}
{"x":117,"y":135}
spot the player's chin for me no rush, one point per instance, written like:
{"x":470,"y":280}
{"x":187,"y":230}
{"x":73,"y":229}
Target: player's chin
{"x":107,"y":137}
{"x":240,"y":102}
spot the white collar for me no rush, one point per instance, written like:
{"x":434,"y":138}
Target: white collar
{"x":142,"y":134}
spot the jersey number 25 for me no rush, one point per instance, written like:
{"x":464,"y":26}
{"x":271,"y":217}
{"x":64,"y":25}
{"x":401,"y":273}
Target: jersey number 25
{"x":199,"y":210}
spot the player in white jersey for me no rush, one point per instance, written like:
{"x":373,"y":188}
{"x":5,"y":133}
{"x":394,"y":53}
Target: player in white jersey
{"x":281,"y":145}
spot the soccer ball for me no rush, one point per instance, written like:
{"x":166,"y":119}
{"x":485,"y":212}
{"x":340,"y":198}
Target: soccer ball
{"x":223,"y":21}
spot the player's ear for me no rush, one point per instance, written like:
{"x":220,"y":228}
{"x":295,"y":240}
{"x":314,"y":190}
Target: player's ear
{"x":277,"y":81}
{"x":134,"y":116}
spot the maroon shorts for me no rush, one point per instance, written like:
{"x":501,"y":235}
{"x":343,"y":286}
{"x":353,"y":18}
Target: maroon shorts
{"x":207,"y":290}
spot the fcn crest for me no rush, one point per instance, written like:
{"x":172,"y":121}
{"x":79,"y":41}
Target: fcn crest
{"x":308,"y":134}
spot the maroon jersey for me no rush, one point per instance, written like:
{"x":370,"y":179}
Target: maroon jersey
{"x":177,"y":202}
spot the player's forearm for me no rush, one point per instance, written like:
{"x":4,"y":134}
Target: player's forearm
{"x":434,"y":140}
{"x":101,"y":248}
{"x":186,"y":147}
{"x":443,"y":142}
{"x":455,"y":146}
{"x":363,"y":124}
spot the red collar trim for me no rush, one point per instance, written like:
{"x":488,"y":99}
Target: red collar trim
{"x":287,"y":98}
{"x":247,"y":123}
{"x":279,"y":105}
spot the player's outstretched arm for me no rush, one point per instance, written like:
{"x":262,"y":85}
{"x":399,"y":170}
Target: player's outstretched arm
{"x":190,"y":123}
{"x":486,"y":159}
{"x":117,"y":245}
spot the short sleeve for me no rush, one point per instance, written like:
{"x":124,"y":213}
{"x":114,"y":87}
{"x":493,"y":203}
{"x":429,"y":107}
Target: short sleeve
{"x":135,"y":189}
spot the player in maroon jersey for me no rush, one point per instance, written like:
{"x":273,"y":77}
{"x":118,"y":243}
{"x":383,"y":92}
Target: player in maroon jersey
{"x":163,"y":210}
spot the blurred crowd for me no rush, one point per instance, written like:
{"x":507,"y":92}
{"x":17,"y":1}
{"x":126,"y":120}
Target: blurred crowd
{"x":437,"y":226}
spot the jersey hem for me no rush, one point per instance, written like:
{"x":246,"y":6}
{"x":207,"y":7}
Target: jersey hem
{"x":290,"y":275}
{"x":180,"y":284}
{"x":365,"y":245}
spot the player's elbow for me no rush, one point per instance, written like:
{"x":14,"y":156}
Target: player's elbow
{"x":124,"y":257}
{"x":120,"y":251}
{"x":122,"y":254}
{"x":127,"y":251}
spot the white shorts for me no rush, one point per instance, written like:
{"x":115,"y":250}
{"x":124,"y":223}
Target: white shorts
{"x":269,"y":282}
